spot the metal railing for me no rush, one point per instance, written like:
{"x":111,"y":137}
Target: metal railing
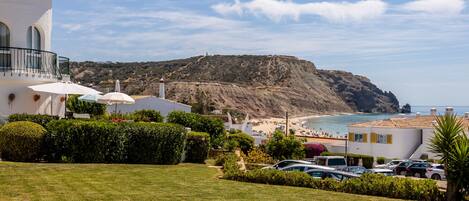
{"x":31,"y":61}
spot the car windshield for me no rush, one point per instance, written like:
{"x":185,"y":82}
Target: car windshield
{"x":284,"y":164}
{"x":336,"y":161}
{"x":395,"y":162}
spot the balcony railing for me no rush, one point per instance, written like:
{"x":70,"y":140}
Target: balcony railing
{"x":30,"y":61}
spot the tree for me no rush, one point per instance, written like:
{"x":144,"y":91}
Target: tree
{"x":281,"y":147}
{"x":452,"y":145}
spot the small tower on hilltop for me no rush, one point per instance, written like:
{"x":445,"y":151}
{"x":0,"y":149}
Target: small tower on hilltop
{"x":162,"y":89}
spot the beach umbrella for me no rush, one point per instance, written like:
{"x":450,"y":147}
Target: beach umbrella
{"x":116,"y":98}
{"x":91,"y":98}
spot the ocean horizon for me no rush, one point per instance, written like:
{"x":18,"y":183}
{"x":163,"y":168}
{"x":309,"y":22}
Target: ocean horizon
{"x":336,"y":125}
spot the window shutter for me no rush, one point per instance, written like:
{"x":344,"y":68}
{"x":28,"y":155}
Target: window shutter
{"x":389,"y":139}
{"x":373,"y":137}
{"x":365,"y":137}
{"x":351,"y":137}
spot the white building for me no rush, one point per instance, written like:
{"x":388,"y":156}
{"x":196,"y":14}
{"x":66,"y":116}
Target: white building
{"x":403,"y":138}
{"x":26,"y":58}
{"x":164,"y":106}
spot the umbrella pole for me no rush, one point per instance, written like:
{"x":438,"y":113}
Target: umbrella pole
{"x":65,"y":105}
{"x":51,"y":106}
{"x":115,"y":109}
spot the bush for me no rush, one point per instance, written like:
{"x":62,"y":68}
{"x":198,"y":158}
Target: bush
{"x":281,"y":147}
{"x":315,"y":149}
{"x":40,"y":119}
{"x":21,"y":141}
{"x":354,"y":159}
{"x":256,"y":155}
{"x":367,"y":184}
{"x":148,"y":116}
{"x":242,"y":140}
{"x":85,"y":142}
{"x":199,"y":123}
{"x":154,"y":143}
{"x":380,"y":160}
{"x":197,"y":147}
{"x":82,"y":107}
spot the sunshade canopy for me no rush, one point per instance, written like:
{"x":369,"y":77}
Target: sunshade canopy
{"x":63,"y":88}
{"x":116,"y":98}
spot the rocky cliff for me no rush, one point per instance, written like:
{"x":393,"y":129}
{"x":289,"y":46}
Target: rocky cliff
{"x":263,"y":86}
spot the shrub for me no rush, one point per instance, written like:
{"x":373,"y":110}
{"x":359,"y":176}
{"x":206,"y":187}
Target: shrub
{"x":21,"y":141}
{"x":380,"y":160}
{"x":354,"y":159}
{"x":82,"y":107}
{"x":281,"y":147}
{"x":40,"y":119}
{"x":85,"y":142}
{"x":314,"y":149}
{"x":148,"y":116}
{"x":199,"y":123}
{"x":197,"y":147}
{"x":256,"y":155}
{"x":244,"y":141}
{"x":154,"y":143}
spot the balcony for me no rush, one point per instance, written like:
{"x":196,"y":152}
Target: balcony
{"x":23,"y":61}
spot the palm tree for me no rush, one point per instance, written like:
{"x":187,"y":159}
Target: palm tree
{"x":452,"y":145}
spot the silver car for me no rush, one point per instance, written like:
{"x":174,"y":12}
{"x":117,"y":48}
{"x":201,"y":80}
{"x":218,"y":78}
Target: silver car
{"x":286,"y":163}
{"x":436,"y":172}
{"x":305,"y":167}
{"x":391,"y":165}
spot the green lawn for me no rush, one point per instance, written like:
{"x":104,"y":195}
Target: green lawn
{"x":25,"y":181}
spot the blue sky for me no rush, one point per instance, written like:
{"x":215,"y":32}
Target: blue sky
{"x":417,"y":49}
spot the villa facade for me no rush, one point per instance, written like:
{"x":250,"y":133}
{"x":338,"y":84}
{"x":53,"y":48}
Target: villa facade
{"x":26,"y":58}
{"x":402,"y":138}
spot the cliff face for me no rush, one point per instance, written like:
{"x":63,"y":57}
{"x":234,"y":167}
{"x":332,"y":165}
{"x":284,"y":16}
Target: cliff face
{"x":263,"y":86}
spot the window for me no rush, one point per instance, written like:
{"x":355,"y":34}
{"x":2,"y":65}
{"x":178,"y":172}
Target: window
{"x":382,"y":139}
{"x":4,"y":35}
{"x":361,"y":137}
{"x":316,"y":174}
{"x":336,"y":161}
{"x":34,"y":38}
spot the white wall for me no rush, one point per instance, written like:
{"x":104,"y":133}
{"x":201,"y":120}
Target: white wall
{"x":151,"y":103}
{"x":19,"y":15}
{"x":404,"y":142}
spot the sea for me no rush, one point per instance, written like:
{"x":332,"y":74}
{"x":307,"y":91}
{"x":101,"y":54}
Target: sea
{"x":336,"y":125}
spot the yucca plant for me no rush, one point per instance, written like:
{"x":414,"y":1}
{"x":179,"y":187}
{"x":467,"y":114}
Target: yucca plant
{"x":451,"y":144}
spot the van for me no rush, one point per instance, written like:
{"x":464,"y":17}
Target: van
{"x":337,"y":162}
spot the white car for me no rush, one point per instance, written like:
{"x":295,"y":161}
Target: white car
{"x":385,"y":172}
{"x":305,"y":167}
{"x":391,"y":165}
{"x":436,"y":172}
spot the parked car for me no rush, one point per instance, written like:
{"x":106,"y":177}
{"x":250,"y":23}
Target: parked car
{"x":286,"y":163}
{"x":355,"y":169}
{"x":305,"y":167}
{"x":417,"y":169}
{"x":385,"y":172}
{"x":337,"y":162}
{"x":436,"y":172}
{"x":401,"y":168}
{"x":334,"y":174}
{"x":390,"y":165}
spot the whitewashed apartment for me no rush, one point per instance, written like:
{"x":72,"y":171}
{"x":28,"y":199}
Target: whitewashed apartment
{"x":402,"y":138}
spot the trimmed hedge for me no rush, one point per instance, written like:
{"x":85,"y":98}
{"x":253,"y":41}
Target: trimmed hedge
{"x":82,"y":107}
{"x":148,"y":116}
{"x":21,"y":141}
{"x":154,"y":143}
{"x":40,"y":119}
{"x":105,"y":142}
{"x":199,"y":123}
{"x":197,"y":147}
{"x":85,"y":142}
{"x":367,"y":184}
{"x":353,"y":159}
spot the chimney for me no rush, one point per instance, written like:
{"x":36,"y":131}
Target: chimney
{"x":466,"y":115}
{"x":433,"y":111}
{"x":449,"y":111}
{"x":162,"y":90}
{"x":417,"y":115}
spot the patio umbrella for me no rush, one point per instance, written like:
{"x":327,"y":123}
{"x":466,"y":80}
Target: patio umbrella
{"x":91,"y":98}
{"x":116,"y":98}
{"x":65,"y":88}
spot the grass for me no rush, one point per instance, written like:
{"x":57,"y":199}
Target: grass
{"x":27,"y":181}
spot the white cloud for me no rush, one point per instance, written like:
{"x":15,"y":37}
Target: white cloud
{"x":279,"y":9}
{"x":439,"y":7}
{"x":71,"y":27}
